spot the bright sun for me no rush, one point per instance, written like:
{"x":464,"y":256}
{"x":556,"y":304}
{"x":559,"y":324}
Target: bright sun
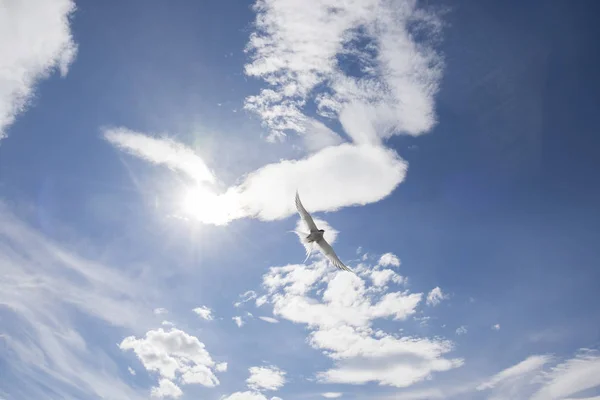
{"x":204,"y":205}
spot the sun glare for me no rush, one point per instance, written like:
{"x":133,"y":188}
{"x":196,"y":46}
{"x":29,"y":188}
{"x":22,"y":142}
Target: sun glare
{"x":204,"y":205}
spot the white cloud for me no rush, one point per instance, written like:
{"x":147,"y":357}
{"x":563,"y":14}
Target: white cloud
{"x":335,"y":177}
{"x":340,"y":308}
{"x":389,"y":259}
{"x":332,"y":395}
{"x":160,"y":310}
{"x":221,"y":367}
{"x":246,"y":297}
{"x":294,"y":50}
{"x":247,"y":396}
{"x":43,"y":287}
{"x":435,"y":297}
{"x":204,"y":312}
{"x":238,"y":321}
{"x":174,"y":353}
{"x":461,"y":330}
{"x":496,"y":327}
{"x":575,"y":375}
{"x":265,"y":378}
{"x":131,"y":370}
{"x":525,"y":367}
{"x":269,"y":320}
{"x":166,"y":388}
{"x":35,"y":40}
{"x":164,"y":151}
{"x":381,"y":278}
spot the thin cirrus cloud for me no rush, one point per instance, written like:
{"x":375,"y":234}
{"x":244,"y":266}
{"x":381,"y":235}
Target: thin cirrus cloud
{"x":36,"y":40}
{"x":534,"y":378}
{"x":394,"y":95}
{"x":44,"y":287}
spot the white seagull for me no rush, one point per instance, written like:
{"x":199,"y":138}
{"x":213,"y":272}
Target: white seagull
{"x":316,"y":236}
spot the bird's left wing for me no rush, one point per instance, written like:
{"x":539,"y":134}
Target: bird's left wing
{"x":330,"y":254}
{"x":305,"y":215}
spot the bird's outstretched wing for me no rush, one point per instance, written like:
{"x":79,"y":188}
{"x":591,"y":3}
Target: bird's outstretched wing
{"x":330,"y":254}
{"x":305,"y":215}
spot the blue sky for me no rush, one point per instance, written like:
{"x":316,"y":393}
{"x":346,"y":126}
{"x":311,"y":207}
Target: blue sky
{"x":149,"y":156}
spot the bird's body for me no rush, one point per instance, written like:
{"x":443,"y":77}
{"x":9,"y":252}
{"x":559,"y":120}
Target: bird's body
{"x":316,"y":236}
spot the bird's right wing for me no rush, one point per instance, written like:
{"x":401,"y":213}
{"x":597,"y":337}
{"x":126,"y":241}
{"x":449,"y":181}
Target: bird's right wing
{"x":305,"y":215}
{"x":330,"y":254}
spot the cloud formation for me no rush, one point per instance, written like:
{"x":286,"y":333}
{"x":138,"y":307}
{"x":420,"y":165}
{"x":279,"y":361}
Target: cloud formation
{"x":394,"y":94}
{"x":298,"y":47}
{"x":265,"y":378}
{"x":204,"y":312}
{"x":174,"y":354}
{"x":44,"y":291}
{"x":340,"y":309}
{"x":35,"y":40}
{"x":436,"y":296}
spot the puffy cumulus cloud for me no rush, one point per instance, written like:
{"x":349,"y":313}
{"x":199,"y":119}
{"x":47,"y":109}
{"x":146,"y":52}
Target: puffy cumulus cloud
{"x":265,"y":378}
{"x":436,"y":296}
{"x":302,"y":51}
{"x":381,"y":278}
{"x":35,"y":40}
{"x":166,"y":389}
{"x":496,"y":327}
{"x":204,"y":312}
{"x":248,"y":395}
{"x":332,"y":178}
{"x":389,"y":259}
{"x":340,"y":309}
{"x":174,"y":354}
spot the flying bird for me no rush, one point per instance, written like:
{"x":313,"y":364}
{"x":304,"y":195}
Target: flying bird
{"x":316,"y":236}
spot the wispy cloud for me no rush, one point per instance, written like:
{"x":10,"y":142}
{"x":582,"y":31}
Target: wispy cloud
{"x":162,"y":151}
{"x":525,"y":367}
{"x":35,"y":37}
{"x":570,"y":377}
{"x":269,"y":320}
{"x":238,"y":321}
{"x":44,"y":290}
{"x":331,"y":395}
{"x":461,"y":330}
